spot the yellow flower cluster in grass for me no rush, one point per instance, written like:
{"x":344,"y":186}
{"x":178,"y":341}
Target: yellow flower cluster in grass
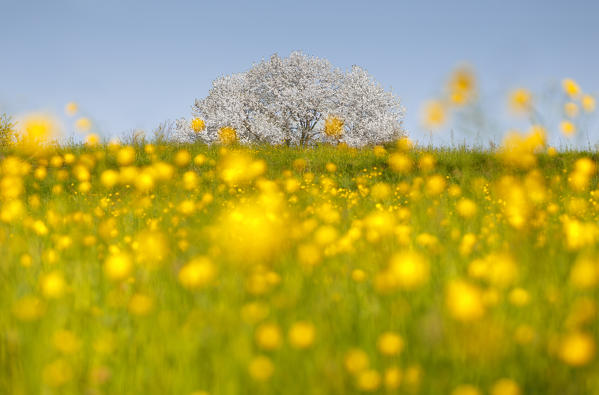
{"x":331,"y":269}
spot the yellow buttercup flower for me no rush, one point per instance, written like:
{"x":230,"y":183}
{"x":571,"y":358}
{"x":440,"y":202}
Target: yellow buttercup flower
{"x":109,"y":178}
{"x":125,"y":156}
{"x":571,"y":109}
{"x":571,"y":88}
{"x":392,"y":378}
{"x":140,"y":304}
{"x":434,"y":114}
{"x":118,"y":266}
{"x":198,"y":273}
{"x":520,"y":101}
{"x":182,"y":158}
{"x":57,"y":373}
{"x":71,"y":108}
{"x":302,"y":334}
{"x":409,"y":270}
{"x":268,"y":337}
{"x":390,"y":343}
{"x":92,"y":140}
{"x":588,"y":103}
{"x":577,"y":349}
{"x":466,"y":208}
{"x":66,"y":342}
{"x":368,"y":380}
{"x":567,"y":128}
{"x":83,"y":124}
{"x":505,"y":387}
{"x":28,"y":308}
{"x":261,"y":368}
{"x":464,"y":301}
{"x":198,"y":125}
{"x":356,"y":360}
{"x":462,"y":86}
{"x":53,"y":285}
{"x":400,"y":163}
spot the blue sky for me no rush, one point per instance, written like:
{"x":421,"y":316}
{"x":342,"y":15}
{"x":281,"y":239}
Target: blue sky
{"x":133,"y":64}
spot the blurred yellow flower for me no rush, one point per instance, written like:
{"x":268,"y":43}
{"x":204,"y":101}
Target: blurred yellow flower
{"x":435,"y":185}
{"x":464,"y":301}
{"x":150,"y":246}
{"x":409,"y":270}
{"x":261,"y":368}
{"x":505,"y":387}
{"x":588,"y":103}
{"x":571,"y":109}
{"x":83,"y":124}
{"x":140,"y":304}
{"x":254,"y":312}
{"x":392,"y":378}
{"x":302,"y":334}
{"x":71,"y":108}
{"x":57,"y":373}
{"x":182,"y":158}
{"x":125,"y":156}
{"x":118,"y":266}
{"x":268,"y":337}
{"x":238,"y":167}
{"x":462,"y":86}
{"x":465,"y":389}
{"x":400,"y":163}
{"x":577,"y":349}
{"x":356,"y":360}
{"x":109,"y":178}
{"x":571,"y":88}
{"x":66,"y":342}
{"x":524,"y":334}
{"x":53,"y":285}
{"x":368,"y":380}
{"x":520,"y":101}
{"x":198,"y":273}
{"x":427,"y":162}
{"x":434,"y":114}
{"x":584,"y":273}
{"x":28,"y":308}
{"x":519,"y":297}
{"x":145,"y":180}
{"x":466,"y":208}
{"x":309,"y":254}
{"x":390,"y":343}
{"x":92,"y":140}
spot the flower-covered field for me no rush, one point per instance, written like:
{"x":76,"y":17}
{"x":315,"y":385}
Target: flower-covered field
{"x":193,"y":269}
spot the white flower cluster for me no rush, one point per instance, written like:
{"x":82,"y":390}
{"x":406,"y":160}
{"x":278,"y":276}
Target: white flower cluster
{"x":287,"y":100}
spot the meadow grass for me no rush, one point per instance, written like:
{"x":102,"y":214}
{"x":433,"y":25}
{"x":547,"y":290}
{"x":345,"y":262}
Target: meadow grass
{"x":192,"y":269}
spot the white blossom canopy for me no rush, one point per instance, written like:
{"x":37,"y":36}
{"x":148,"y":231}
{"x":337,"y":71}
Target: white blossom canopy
{"x":286,"y":101}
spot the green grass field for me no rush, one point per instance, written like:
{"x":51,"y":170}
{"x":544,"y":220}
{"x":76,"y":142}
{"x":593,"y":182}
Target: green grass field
{"x":188,"y":269}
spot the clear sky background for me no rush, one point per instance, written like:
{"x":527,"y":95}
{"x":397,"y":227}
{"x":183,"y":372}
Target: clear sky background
{"x":133,"y":64}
